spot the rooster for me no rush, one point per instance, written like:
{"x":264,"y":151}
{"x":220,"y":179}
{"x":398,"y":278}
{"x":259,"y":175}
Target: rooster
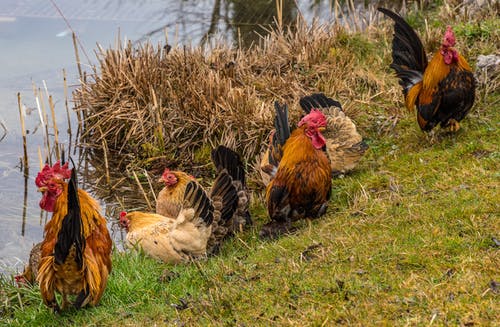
{"x":443,"y":90}
{"x":189,"y":234}
{"x":76,"y":249}
{"x":344,"y":145}
{"x":170,"y":199}
{"x":300,"y":169}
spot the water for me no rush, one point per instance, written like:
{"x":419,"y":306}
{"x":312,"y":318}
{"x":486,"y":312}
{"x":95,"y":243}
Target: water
{"x":37,"y":45}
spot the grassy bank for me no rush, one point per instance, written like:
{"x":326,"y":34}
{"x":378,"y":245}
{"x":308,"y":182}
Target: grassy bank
{"x":408,"y":238}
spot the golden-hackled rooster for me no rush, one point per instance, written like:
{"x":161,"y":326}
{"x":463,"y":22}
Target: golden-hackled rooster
{"x":170,"y":199}
{"x":76,"y":249}
{"x":443,"y":89}
{"x":344,"y":145}
{"x":188,"y":234}
{"x":300,"y":170}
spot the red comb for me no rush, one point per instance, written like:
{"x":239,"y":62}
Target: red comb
{"x":449,"y":37}
{"x":315,"y":114}
{"x":56,"y":171}
{"x":123,"y":214}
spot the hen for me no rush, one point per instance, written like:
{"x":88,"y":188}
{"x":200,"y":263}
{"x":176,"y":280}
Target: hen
{"x":300,"y":169}
{"x":344,"y":145}
{"x":31,"y":269}
{"x":187,"y":235}
{"x":170,"y":199}
{"x":76,"y":250}
{"x":443,"y":90}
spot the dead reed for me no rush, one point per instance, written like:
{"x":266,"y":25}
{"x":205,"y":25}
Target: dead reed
{"x":151,"y":104}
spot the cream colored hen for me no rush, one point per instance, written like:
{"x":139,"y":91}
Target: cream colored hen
{"x":189,"y":234}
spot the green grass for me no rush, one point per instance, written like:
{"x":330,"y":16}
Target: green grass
{"x":407,"y":240}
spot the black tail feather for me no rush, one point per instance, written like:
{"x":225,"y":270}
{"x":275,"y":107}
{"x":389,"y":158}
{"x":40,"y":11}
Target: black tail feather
{"x":317,"y":101}
{"x":196,"y":198}
{"x":223,"y":187}
{"x":281,"y":124}
{"x":71,"y":232}
{"x":408,"y":55}
{"x":225,"y":158}
{"x":282,"y":133}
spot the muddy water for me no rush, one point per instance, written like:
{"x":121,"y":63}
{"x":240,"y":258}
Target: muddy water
{"x":37,"y":45}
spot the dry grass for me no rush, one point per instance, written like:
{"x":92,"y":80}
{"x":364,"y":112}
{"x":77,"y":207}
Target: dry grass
{"x":174,"y":106}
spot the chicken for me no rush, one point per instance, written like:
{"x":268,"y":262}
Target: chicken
{"x":302,"y":178}
{"x":187,"y":235}
{"x":443,"y":90}
{"x":344,"y":146}
{"x":76,"y":249}
{"x":170,"y":199}
{"x":31,"y":269}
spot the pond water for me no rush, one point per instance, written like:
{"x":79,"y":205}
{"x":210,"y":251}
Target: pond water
{"x":37,"y":45}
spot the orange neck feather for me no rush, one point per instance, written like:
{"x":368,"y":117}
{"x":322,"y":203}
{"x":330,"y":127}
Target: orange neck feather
{"x":297,"y":147}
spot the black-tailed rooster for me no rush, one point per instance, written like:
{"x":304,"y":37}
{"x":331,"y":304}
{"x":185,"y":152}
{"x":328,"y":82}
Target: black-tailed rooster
{"x":443,"y":89}
{"x":300,"y":170}
{"x":76,"y":250}
{"x":344,"y":145}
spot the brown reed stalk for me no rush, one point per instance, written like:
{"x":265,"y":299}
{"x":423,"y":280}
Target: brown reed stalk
{"x":106,"y":163}
{"x":40,"y":159}
{"x":43,"y":120}
{"x":56,"y":131}
{"x":77,"y":56}
{"x":150,"y":208}
{"x":65,"y":83}
{"x":279,"y":13}
{"x":150,"y":184}
{"x":23,"y":130}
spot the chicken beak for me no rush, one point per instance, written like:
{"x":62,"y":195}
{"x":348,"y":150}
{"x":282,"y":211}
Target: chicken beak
{"x":321,"y":129}
{"x":42,"y":189}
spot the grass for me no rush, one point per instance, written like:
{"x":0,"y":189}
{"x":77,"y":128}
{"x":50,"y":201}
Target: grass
{"x":407,"y":240}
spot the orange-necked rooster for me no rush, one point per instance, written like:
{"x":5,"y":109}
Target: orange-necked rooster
{"x":76,"y":250}
{"x":443,"y":89}
{"x":301,"y":173}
